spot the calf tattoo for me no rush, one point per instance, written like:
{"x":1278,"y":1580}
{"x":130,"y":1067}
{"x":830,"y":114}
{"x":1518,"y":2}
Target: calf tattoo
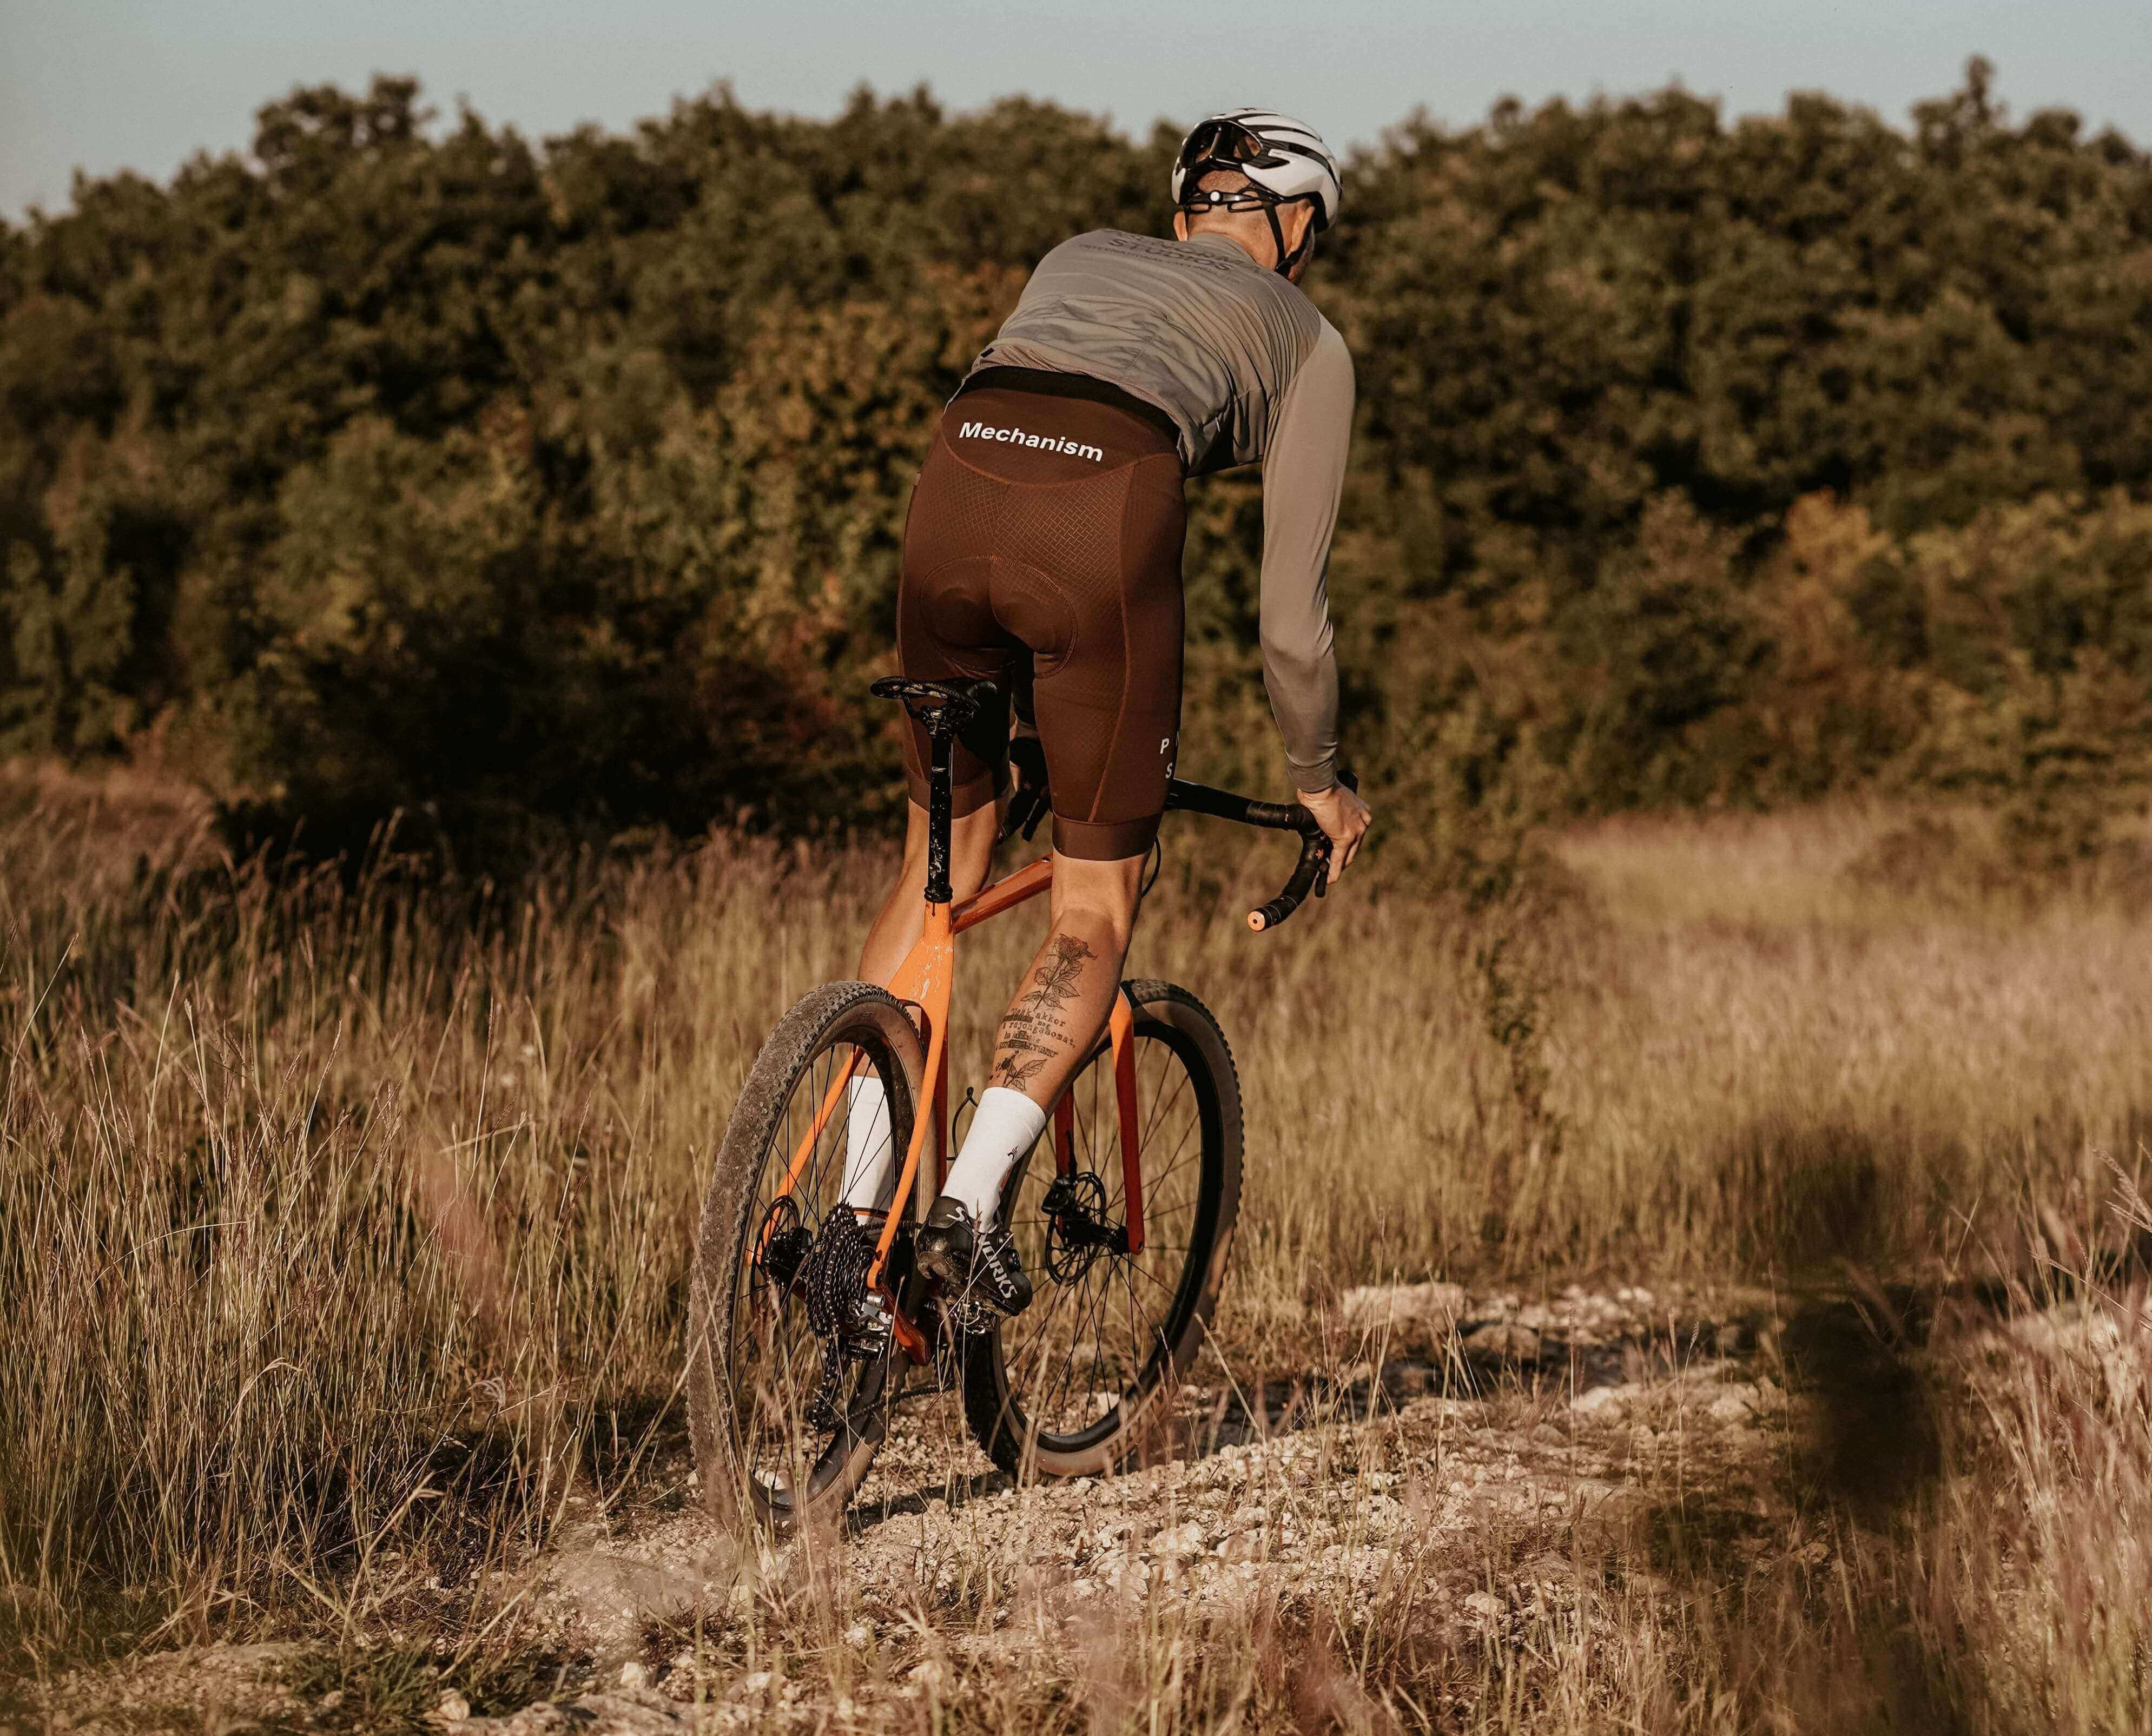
{"x":1035,"y":1030}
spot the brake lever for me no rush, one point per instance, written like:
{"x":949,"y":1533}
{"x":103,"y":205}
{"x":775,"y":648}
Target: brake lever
{"x":1351,"y":780}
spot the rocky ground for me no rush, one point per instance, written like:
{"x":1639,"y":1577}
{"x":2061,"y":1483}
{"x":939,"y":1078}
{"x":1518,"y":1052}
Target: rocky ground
{"x":1469,"y":1459}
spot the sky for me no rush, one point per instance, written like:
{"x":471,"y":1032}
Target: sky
{"x":143,"y":84}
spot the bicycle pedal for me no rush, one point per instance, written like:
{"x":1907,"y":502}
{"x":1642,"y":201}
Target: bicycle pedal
{"x":972,"y":1319}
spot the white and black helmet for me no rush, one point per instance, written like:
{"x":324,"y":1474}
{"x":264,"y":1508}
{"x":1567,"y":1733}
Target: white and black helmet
{"x":1284,"y":159}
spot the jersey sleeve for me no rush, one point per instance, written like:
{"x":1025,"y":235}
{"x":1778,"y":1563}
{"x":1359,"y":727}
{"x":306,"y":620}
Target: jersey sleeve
{"x":1303,"y":474}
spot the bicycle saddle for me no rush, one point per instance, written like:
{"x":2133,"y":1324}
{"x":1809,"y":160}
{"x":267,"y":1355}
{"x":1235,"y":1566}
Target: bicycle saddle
{"x":939,"y":706}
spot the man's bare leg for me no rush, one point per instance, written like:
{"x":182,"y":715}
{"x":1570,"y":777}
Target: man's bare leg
{"x":1058,"y":1014}
{"x":1060,"y":1008}
{"x":870,"y":1154}
{"x":1063,"y":1004}
{"x":903,"y":916}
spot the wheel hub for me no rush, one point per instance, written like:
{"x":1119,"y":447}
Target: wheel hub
{"x":1077,"y":1231}
{"x":781,"y":1246}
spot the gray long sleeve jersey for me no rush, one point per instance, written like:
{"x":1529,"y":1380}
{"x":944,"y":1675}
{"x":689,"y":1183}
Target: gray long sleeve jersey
{"x":1249,"y":372}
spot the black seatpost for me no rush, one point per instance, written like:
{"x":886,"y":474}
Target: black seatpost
{"x":943,"y":709}
{"x":939,"y":823}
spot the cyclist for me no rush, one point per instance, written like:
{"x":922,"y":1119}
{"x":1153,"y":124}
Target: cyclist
{"x":1042,"y":551}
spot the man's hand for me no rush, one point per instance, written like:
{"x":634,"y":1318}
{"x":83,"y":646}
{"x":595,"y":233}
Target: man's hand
{"x":1341,"y":813}
{"x":1028,"y":800}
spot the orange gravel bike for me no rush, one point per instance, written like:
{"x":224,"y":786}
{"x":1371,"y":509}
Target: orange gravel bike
{"x":808,"y":1320}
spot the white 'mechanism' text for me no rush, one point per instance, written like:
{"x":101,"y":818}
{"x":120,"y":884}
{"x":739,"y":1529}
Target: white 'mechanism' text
{"x":1017,"y":437}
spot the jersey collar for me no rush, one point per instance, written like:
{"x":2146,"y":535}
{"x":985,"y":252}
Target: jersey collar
{"x":1220,"y":244}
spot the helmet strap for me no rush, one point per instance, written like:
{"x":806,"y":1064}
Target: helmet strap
{"x":1287,"y":261}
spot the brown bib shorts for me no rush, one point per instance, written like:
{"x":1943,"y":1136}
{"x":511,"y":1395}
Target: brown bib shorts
{"x":1044,"y":552}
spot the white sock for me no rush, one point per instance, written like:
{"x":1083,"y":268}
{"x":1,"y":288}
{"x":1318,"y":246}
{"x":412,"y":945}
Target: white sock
{"x":869,"y":1155}
{"x":1006,"y":1125}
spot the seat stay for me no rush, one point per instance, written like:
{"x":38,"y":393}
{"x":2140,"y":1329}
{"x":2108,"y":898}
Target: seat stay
{"x":806,"y":1149}
{"x":924,"y":981}
{"x":1064,"y":1134}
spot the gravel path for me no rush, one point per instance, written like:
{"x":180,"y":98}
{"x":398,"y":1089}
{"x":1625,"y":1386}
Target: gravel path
{"x":1464,"y":1417}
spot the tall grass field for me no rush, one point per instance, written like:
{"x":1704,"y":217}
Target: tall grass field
{"x":346,"y":1216}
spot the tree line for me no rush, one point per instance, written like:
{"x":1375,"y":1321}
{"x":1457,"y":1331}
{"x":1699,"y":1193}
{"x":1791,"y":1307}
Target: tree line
{"x":531,"y":487}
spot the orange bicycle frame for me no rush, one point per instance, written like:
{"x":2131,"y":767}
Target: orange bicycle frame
{"x":925,"y":982}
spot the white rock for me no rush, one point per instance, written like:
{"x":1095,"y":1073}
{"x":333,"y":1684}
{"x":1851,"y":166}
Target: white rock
{"x":1432,"y":1308}
{"x":632,"y":1674}
{"x":1608,"y":1401}
{"x":451,"y":1709}
{"x":1736,"y":1404}
{"x":1508,"y":1344}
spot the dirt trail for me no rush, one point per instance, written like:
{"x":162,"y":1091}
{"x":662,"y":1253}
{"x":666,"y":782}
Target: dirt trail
{"x":1489,"y":1419}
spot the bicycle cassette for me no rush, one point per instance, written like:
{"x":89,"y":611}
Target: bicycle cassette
{"x":850,"y":1319}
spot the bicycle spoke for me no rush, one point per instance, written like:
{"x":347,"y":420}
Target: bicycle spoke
{"x":1087,"y":1333}
{"x":1036,"y":1339}
{"x":1046,"y":1406}
{"x":1179,"y":1145}
{"x":1084,"y":1334}
{"x":1150,"y":1277}
{"x":1180,"y":1085}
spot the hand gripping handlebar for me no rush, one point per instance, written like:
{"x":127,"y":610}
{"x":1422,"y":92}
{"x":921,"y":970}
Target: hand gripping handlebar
{"x":1310,"y":874}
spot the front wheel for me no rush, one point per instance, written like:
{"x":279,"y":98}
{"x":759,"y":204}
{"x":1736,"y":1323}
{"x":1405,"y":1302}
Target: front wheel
{"x":1068,"y":1386}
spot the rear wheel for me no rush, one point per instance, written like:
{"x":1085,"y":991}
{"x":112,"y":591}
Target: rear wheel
{"x":1071,"y":1386}
{"x":786,"y":1412}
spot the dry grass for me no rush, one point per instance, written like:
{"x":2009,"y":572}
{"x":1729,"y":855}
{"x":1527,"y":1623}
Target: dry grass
{"x":344,"y":1232}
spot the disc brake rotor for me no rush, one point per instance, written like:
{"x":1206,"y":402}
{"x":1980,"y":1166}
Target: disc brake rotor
{"x":1076,"y":1228}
